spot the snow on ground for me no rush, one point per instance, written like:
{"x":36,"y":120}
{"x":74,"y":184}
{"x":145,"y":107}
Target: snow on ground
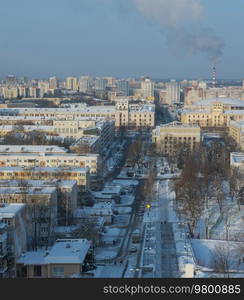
{"x":126,"y":200}
{"x":109,"y":271}
{"x":125,"y":182}
{"x":102,"y":254}
{"x":205,"y":252}
{"x":124,"y":210}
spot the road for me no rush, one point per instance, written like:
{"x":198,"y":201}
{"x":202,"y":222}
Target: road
{"x":165,"y":250}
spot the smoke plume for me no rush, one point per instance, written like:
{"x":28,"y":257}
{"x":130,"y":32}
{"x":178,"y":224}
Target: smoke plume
{"x":181,"y":21}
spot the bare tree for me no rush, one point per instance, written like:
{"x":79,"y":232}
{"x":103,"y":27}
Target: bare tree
{"x":222,"y":259}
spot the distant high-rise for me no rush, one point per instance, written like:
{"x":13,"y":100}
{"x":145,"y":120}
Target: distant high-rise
{"x":173,"y":92}
{"x":10,"y":79}
{"x":85,"y":83}
{"x":53,"y":82}
{"x":147,"y":87}
{"x":123,"y":87}
{"x":100,"y":84}
{"x":71,"y":83}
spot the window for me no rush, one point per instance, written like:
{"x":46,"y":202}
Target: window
{"x":37,"y":271}
{"x":58,"y":271}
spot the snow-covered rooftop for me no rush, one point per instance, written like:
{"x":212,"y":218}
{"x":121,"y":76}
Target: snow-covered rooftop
{"x":64,"y":251}
{"x":237,"y":158}
{"x":9,"y":210}
{"x":70,"y":251}
{"x":223,"y":100}
{"x":29,"y":190}
{"x":31,"y":149}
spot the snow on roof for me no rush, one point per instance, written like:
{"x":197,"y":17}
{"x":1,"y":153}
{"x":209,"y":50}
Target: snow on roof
{"x":32,"y":258}
{"x":237,"y":158}
{"x":223,"y":100}
{"x":31,"y":148}
{"x":9,"y":210}
{"x":29,"y":190}
{"x":92,"y":109}
{"x":45,"y":169}
{"x":70,"y":251}
{"x":56,"y":155}
{"x":111,"y":189}
{"x":35,"y":183}
{"x":27,"y":127}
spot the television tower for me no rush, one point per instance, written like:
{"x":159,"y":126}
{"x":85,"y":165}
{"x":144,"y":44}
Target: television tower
{"x":214,"y":80}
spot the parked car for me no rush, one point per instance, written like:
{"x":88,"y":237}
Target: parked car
{"x":133,"y":249}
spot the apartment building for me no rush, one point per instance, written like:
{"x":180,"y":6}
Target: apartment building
{"x":17,"y":149}
{"x":4,"y":251}
{"x":169,"y":137}
{"x":135,"y":115}
{"x":236,"y":131}
{"x":42,"y":208}
{"x":5,"y":129}
{"x":237,"y":160}
{"x":213,"y":112}
{"x":80,"y":175}
{"x":67,"y":194}
{"x":16,"y":219}
{"x":44,"y":160}
{"x":65,"y":259}
{"x":123,"y":113}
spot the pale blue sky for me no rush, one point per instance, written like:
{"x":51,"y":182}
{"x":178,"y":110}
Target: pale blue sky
{"x":103,"y":37}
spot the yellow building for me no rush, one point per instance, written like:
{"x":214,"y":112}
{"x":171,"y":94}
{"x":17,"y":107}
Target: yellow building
{"x":213,"y":112}
{"x":169,"y":137}
{"x":65,"y":259}
{"x":236,"y":131}
{"x":80,"y":175}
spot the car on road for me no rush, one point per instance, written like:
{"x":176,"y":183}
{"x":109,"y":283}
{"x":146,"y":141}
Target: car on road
{"x":133,"y":249}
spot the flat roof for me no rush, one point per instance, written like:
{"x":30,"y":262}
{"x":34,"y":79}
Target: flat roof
{"x":47,"y":190}
{"x":32,"y":149}
{"x":223,"y":100}
{"x":8,"y":210}
{"x":46,"y":169}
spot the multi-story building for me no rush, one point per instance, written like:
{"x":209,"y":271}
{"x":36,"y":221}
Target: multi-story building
{"x":100,"y":84}
{"x":43,"y":160}
{"x":170,"y":137}
{"x":17,"y":149}
{"x":123,"y":87}
{"x":85,"y":84}
{"x":67,"y":194}
{"x":213,"y":112}
{"x":4,"y":251}
{"x":16,"y":217}
{"x":237,"y":161}
{"x":134,"y":115}
{"x":80,"y":175}
{"x":42,"y":205}
{"x":53,"y":82}
{"x":5,"y":129}
{"x":65,"y":259}
{"x":172,"y":92}
{"x":71,"y":83}
{"x":236,"y":131}
{"x":147,"y":88}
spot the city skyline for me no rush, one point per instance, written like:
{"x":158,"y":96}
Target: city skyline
{"x":117,"y":38}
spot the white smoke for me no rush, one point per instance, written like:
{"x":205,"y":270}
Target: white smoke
{"x":181,"y":22}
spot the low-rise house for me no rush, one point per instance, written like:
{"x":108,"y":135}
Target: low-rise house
{"x":67,"y":258}
{"x":100,"y":209}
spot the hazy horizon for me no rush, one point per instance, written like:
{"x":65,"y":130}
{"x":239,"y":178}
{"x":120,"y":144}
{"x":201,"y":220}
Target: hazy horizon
{"x":122,"y":38}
